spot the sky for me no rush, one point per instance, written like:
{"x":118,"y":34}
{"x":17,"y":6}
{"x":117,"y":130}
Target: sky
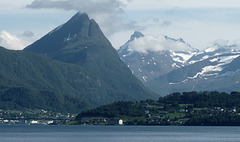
{"x":198,"y":22}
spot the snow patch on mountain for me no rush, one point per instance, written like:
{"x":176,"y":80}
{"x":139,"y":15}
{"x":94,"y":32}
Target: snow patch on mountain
{"x":211,"y":49}
{"x":207,"y":71}
{"x":227,"y":59}
{"x":213,"y":70}
{"x":218,"y":48}
{"x":233,"y":46}
{"x":69,"y":37}
{"x":181,"y":57}
{"x":175,"y":65}
{"x":144,"y":78}
{"x":214,"y":60}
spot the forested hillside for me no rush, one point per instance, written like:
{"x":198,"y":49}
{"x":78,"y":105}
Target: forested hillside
{"x":188,"y":108}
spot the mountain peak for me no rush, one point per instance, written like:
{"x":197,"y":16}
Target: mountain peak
{"x":173,"y":39}
{"x":136,"y":34}
{"x":79,"y":27}
{"x":80,"y":17}
{"x":80,"y":41}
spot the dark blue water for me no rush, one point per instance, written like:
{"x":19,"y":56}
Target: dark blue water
{"x":39,"y":133}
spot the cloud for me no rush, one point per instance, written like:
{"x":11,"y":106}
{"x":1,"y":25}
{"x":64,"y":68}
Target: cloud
{"x":166,"y":23}
{"x":11,"y":42}
{"x":162,"y":23}
{"x":108,"y":13}
{"x":233,"y":44}
{"x":89,"y":6}
{"x":28,"y":34}
{"x":157,"y":44}
{"x":166,"y":4}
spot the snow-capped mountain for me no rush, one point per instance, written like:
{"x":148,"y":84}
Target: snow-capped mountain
{"x":150,"y":57}
{"x":218,"y":57}
{"x":214,"y":69}
{"x":169,"y":65}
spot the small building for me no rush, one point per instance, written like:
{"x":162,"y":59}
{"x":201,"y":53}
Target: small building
{"x":116,"y":122}
{"x":50,"y":122}
{"x":33,"y":122}
{"x":181,"y":110}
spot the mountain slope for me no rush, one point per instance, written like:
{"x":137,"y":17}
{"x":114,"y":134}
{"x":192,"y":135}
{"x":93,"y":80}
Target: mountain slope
{"x":29,"y":80}
{"x":167,"y":65}
{"x":214,"y":69}
{"x":80,"y":41}
{"x":148,"y":57}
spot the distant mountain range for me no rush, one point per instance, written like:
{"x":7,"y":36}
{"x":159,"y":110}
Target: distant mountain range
{"x":152,"y":64}
{"x":77,"y":68}
{"x":175,"y":70}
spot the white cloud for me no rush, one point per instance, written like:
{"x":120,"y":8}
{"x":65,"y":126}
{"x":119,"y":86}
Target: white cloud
{"x":197,"y":21}
{"x":28,"y":34}
{"x":90,"y":6}
{"x":234,"y":44}
{"x":11,"y":42}
{"x":166,"y":4}
{"x":157,"y":44}
{"x":107,"y":13}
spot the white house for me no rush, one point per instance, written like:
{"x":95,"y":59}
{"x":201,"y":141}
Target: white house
{"x":116,"y":122}
{"x":33,"y":122}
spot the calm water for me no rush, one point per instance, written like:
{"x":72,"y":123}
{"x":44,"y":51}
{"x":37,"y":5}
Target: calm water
{"x":37,"y":133}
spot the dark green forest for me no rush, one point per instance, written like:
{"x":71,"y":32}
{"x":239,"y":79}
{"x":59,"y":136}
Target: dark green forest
{"x":34,"y":81}
{"x":188,"y":108}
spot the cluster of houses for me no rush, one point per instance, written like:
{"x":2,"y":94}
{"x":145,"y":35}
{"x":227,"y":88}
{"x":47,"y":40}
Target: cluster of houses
{"x":37,"y":117}
{"x":178,"y":115}
{"x":100,"y":120}
{"x":31,"y":122}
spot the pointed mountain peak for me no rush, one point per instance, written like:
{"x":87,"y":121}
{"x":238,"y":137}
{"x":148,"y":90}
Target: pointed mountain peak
{"x":78,"y":28}
{"x":181,"y":40}
{"x":80,"y":16}
{"x":125,"y":48}
{"x":136,"y":34}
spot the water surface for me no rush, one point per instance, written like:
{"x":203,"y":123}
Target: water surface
{"x":41,"y":133}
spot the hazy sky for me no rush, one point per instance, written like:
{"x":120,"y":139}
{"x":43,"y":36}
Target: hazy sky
{"x":198,"y":22}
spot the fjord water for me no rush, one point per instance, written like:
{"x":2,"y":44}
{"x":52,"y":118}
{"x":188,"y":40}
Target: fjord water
{"x":40,"y":133}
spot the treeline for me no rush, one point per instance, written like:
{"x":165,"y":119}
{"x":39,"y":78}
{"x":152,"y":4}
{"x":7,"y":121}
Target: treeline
{"x":188,"y":108}
{"x":116,"y":109}
{"x":204,"y":99}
